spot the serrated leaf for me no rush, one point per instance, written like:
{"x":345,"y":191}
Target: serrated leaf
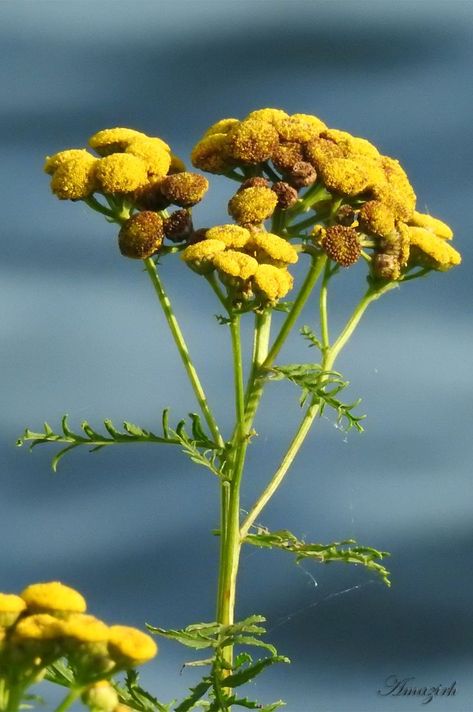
{"x":133,"y":429}
{"x":197,"y":693}
{"x":191,"y":639}
{"x":59,"y":455}
{"x":313,"y":340}
{"x":243,"y":676}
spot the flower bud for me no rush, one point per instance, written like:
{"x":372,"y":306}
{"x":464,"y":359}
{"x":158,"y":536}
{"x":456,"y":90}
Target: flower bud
{"x":121,"y":173}
{"x":286,"y":194}
{"x":271,"y":282}
{"x":199,"y":256}
{"x":301,"y":174}
{"x":53,"y":597}
{"x":100,"y":696}
{"x":184,"y":189}
{"x":252,"y":205}
{"x":385,"y":267}
{"x":255,"y":181}
{"x":252,"y":141}
{"x":178,"y":226}
{"x":141,"y":235}
{"x":130,"y":647}
{"x":341,"y":244}
{"x":11,"y":607}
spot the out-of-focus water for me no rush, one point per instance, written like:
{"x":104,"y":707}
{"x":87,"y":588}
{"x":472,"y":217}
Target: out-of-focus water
{"x":80,"y":334}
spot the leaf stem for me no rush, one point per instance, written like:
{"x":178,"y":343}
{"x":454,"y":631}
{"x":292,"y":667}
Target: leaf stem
{"x":183,"y":350}
{"x":69,"y":699}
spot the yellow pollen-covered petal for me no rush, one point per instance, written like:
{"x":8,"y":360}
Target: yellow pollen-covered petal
{"x":253,"y":205}
{"x":85,"y":629}
{"x":252,"y":141}
{"x":235,"y":264}
{"x":53,"y":596}
{"x":223,"y":126}
{"x":53,"y":162}
{"x":377,"y":218}
{"x":272,"y":282}
{"x":299,"y":128}
{"x":109,"y":141}
{"x":40,"y":626}
{"x":272,"y":248}
{"x":272,"y":116}
{"x":130,"y":646}
{"x":121,"y":173}
{"x":211,"y":154}
{"x":154,"y":153}
{"x":432,"y":250}
{"x":74,"y":179}
{"x":11,"y":607}
{"x":232,"y":235}
{"x":435,"y":225}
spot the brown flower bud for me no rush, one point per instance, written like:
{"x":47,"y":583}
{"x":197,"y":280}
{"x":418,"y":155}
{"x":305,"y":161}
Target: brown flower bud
{"x":184,"y":189}
{"x":178,"y":226}
{"x":141,"y":235}
{"x":341,"y":244}
{"x":385,"y":267}
{"x":253,"y":182}
{"x":301,"y":174}
{"x":345,"y":215}
{"x":197,"y":235}
{"x":287,"y":195}
{"x":150,"y":197}
{"x":286,"y":155}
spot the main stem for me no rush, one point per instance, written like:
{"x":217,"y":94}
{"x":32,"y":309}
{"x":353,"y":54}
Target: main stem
{"x":183,"y":350}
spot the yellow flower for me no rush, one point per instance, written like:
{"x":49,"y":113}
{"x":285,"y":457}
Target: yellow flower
{"x":286,"y":155}
{"x":53,"y":597}
{"x":272,"y":116}
{"x":223,"y":126}
{"x":39,"y":626}
{"x":431,"y":250}
{"x":83,"y":628}
{"x":232,"y":235}
{"x":177,"y":165}
{"x":184,"y":189}
{"x":130,"y":646}
{"x":235,"y":264}
{"x":395,"y":191}
{"x":377,"y":218}
{"x":300,"y":128}
{"x":53,"y":162}
{"x":199,"y":256}
{"x":11,"y":607}
{"x":141,"y":235}
{"x":252,"y":141}
{"x":121,"y":173}
{"x":346,"y":176}
{"x":350,"y":145}
{"x":153,"y":152}
{"x":341,"y":244}
{"x":272,"y":282}
{"x":272,"y":249}
{"x":252,"y":205}
{"x":110,"y":141}
{"x":211,"y":154}
{"x":74,"y":179}
{"x":100,"y":696}
{"x":435,"y":225}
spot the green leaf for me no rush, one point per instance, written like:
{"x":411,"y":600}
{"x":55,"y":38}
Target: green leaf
{"x":347,"y":551}
{"x":134,"y":696}
{"x":243,"y":676}
{"x":191,"y":639}
{"x":313,"y":340}
{"x":197,"y":693}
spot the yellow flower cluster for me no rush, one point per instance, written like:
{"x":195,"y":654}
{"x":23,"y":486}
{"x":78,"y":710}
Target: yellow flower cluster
{"x":251,"y":263}
{"x":128,"y":161}
{"x":47,"y":621}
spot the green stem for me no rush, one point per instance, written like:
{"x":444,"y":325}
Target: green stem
{"x":183,"y":350}
{"x":312,"y":411}
{"x":323,"y":309}
{"x":69,"y":699}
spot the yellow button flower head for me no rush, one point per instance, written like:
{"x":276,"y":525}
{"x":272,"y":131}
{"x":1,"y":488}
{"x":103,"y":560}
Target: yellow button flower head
{"x":341,"y":244}
{"x":100,"y":697}
{"x":347,"y":176}
{"x":141,"y":235}
{"x":52,"y":163}
{"x":199,"y":256}
{"x":252,"y":205}
{"x":272,"y":249}
{"x":153,"y":152}
{"x":428,"y":222}
{"x":350,"y":145}
{"x":211,"y":154}
{"x":74,"y":179}
{"x":223,"y":127}
{"x":83,"y":628}
{"x":53,"y":597}
{"x":386,"y":267}
{"x":235,"y":264}
{"x":39,"y":626}
{"x":272,"y":116}
{"x":300,"y":128}
{"x":11,"y":607}
{"x":376,"y":218}
{"x":121,"y":173}
{"x":184,"y":189}
{"x":232,"y":235}
{"x":286,"y":154}
{"x":252,"y":141}
{"x":271,"y":282}
{"x":130,"y":646}
{"x":430,"y":250}
{"x":395,"y":191}
{"x":110,"y":141}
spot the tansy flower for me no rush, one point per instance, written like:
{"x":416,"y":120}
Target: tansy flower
{"x":348,"y":176}
{"x":199,"y":256}
{"x":100,"y":697}
{"x":376,"y":218}
{"x":83,"y":628}
{"x":184,"y":189}
{"x":431,"y":250}
{"x":271,"y":116}
{"x":211,"y":154}
{"x":350,"y":145}
{"x":271,"y":282}
{"x":252,"y":205}
{"x":232,"y":235}
{"x":39,"y":627}
{"x":11,"y":607}
{"x":74,"y":179}
{"x":272,"y":249}
{"x":223,"y":126}
{"x":435,"y":225}
{"x":53,"y":597}
{"x":341,"y":244}
{"x":130,"y":646}
{"x":154,"y":153}
{"x":121,"y":173}
{"x":299,"y":128}
{"x":286,"y":155}
{"x":112,"y":140}
{"x":395,"y":191}
{"x":177,"y":165}
{"x":53,"y":162}
{"x":178,"y":225}
{"x":141,"y":235}
{"x":235,"y":264}
{"x":252,"y":141}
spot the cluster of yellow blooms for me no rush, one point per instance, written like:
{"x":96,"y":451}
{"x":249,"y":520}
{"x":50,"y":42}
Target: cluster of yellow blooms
{"x":360,"y":200}
{"x":46,"y":622}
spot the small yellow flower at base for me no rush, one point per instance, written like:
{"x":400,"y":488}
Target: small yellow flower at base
{"x":232,"y":235}
{"x":252,"y":141}
{"x":211,"y":154}
{"x":110,"y":141}
{"x":272,"y":249}
{"x":101,"y":697}
{"x":235,"y":264}
{"x":53,"y":597}
{"x":271,"y":282}
{"x":52,"y":163}
{"x":432,"y":251}
{"x":74,"y":179}
{"x":253,"y":205}
{"x":435,"y":225}
{"x":130,"y":646}
{"x":39,"y":627}
{"x":154,"y":153}
{"x":11,"y":607}
{"x":121,"y":173}
{"x":199,"y":256}
{"x":141,"y":235}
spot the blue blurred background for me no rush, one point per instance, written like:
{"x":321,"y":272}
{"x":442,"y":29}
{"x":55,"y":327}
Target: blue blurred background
{"x":81,"y":334}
